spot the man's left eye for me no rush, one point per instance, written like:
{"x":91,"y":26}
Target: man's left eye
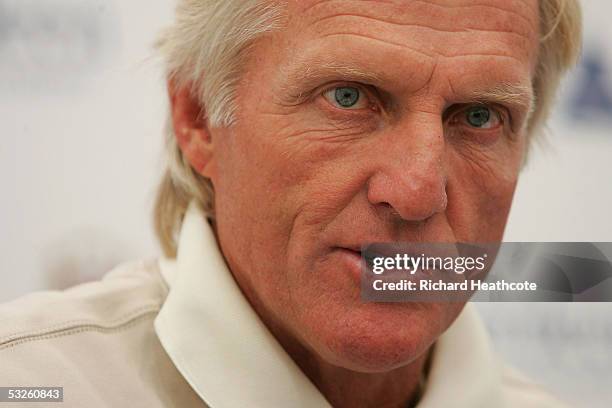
{"x":482,"y":117}
{"x":346,"y":97}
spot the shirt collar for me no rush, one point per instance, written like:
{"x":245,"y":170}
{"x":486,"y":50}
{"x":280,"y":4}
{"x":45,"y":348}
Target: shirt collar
{"x":228,"y":356}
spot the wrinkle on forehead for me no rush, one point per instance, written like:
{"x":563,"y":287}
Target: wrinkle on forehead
{"x":512,"y":16}
{"x":529,"y":5}
{"x":424,"y":9}
{"x":449,"y":28}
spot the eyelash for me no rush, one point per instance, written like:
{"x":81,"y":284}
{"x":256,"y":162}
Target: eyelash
{"x":363,"y":93}
{"x":456,"y":114}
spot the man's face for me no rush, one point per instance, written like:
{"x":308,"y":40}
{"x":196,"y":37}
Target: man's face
{"x":366,"y":121}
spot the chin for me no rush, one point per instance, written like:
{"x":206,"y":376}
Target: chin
{"x":379,"y":337}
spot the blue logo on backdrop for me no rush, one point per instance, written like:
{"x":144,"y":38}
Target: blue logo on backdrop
{"x":591,"y":97}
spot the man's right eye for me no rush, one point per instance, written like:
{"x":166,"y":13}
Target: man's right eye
{"x":346,"y":97}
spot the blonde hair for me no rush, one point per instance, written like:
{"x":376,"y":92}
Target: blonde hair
{"x":205,"y":45}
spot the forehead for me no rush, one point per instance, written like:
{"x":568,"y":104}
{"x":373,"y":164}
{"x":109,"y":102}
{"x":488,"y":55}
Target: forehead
{"x":437,"y":9}
{"x":445,"y":19}
{"x":412,"y":38}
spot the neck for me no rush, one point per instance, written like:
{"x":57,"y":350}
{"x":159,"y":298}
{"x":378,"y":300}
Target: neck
{"x":397,"y":388}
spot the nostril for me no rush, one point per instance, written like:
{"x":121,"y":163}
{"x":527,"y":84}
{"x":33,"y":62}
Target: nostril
{"x":410,"y":194}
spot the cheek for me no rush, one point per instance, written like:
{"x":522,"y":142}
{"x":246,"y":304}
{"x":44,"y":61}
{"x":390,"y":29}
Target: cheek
{"x":481,"y":187}
{"x":274,"y":195}
{"x":249,"y":202}
{"x":286,"y":168}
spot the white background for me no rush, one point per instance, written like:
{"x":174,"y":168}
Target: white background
{"x":82,"y":106}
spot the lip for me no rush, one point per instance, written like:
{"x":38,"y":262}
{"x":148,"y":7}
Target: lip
{"x":351,"y":261}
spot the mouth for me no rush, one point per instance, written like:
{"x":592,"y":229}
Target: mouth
{"x":365,"y":257}
{"x":368,"y":252}
{"x":351,"y":260}
{"x":358,"y":261}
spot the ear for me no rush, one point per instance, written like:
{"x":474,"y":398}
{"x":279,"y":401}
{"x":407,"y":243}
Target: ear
{"x":191,"y":129}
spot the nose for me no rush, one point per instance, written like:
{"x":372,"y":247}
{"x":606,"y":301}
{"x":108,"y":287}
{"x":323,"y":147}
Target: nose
{"x":410,"y":180}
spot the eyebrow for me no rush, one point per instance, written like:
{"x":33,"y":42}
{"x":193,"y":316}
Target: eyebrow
{"x":519,"y":96}
{"x":311,"y":73}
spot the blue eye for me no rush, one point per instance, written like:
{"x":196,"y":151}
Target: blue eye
{"x":482,"y":117}
{"x":347,"y":96}
{"x":478,"y":116}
